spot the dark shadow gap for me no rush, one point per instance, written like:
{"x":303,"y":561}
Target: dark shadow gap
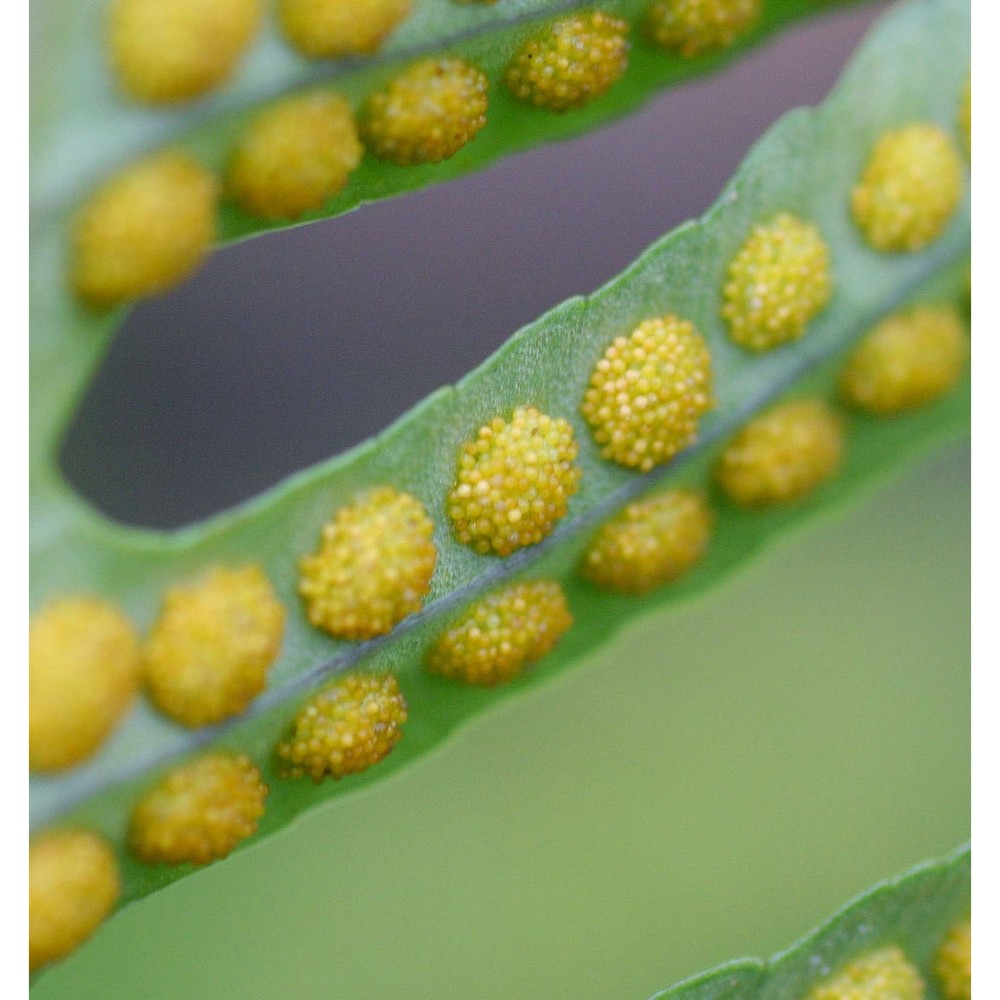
{"x":286,"y":350}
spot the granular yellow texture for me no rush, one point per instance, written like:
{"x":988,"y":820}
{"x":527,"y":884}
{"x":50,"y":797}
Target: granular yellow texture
{"x":199,"y":811}
{"x":294,"y":156}
{"x":953,"y":963}
{"x":208,"y":653}
{"x":911,"y":358}
{"x":515,"y":478}
{"x":73,"y":885}
{"x":777,"y":283}
{"x":373,"y":566}
{"x":83,"y":674}
{"x":426,"y":113}
{"x":324,"y":28}
{"x":651,"y":542}
{"x":965,"y":116}
{"x":502,"y":633}
{"x":695,"y":26}
{"x":577,"y":59}
{"x":783,"y":454}
{"x":172,"y":50}
{"x":346,"y":728}
{"x":881,"y":975}
{"x":910,"y":188}
{"x":648,"y":392}
{"x":145,"y":230}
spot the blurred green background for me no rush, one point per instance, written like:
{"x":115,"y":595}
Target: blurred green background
{"x":711,"y":784}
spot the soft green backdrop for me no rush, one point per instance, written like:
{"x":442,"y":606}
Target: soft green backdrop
{"x":711,"y":784}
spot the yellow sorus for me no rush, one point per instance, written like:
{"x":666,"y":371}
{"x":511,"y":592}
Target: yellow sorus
{"x":325,"y":28}
{"x":294,"y":156}
{"x":83,"y":674}
{"x":783,"y":454}
{"x":146,"y":229}
{"x":651,"y":542}
{"x":199,"y":811}
{"x":574,"y":61}
{"x":502,"y":633}
{"x":165,"y":52}
{"x":373,"y":566}
{"x":73,"y":884}
{"x":910,"y":188}
{"x":882,"y":975}
{"x":208,"y":653}
{"x":777,"y":283}
{"x":696,"y":26}
{"x":953,"y":963}
{"x":427,"y":113}
{"x":648,"y":392}
{"x":346,"y":728}
{"x":515,"y":479}
{"x":909,"y":359}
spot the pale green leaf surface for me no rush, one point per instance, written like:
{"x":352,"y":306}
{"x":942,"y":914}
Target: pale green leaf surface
{"x":914,"y":912}
{"x":912,"y":67}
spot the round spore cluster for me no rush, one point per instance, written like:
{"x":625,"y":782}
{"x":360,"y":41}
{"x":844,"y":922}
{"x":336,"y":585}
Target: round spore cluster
{"x":165,"y":52}
{"x":199,"y":811}
{"x":373,"y":566}
{"x":695,"y":26}
{"x":73,"y":884}
{"x":83,"y":674}
{"x":885,"y":974}
{"x":502,"y":633}
{"x":148,"y":227}
{"x":327,"y":28}
{"x":776,"y":284}
{"x":209,"y":651}
{"x":648,"y":392}
{"x":427,"y":113}
{"x":515,"y":478}
{"x":345,"y":729}
{"x":783,"y":454}
{"x":649,"y":543}
{"x":577,"y":59}
{"x":908,"y":360}
{"x":294,"y":156}
{"x":909,"y":189}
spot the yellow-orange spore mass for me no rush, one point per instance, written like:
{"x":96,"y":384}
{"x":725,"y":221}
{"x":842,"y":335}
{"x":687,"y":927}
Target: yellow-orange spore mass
{"x":373,"y":566}
{"x":199,"y":811}
{"x":909,"y":189}
{"x":427,"y":113}
{"x":294,"y":156}
{"x":349,"y":726}
{"x":695,"y":26}
{"x":885,"y":974}
{"x":953,"y":963}
{"x":577,"y":59}
{"x":73,"y":884}
{"x":208,"y":653}
{"x":83,"y":675}
{"x":515,"y":478}
{"x":172,"y":50}
{"x":648,"y":392}
{"x":777,"y":283}
{"x":325,"y":28}
{"x":650,"y":543}
{"x":145,"y":230}
{"x":783,"y":454}
{"x":501,"y":634}
{"x":910,"y":359}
